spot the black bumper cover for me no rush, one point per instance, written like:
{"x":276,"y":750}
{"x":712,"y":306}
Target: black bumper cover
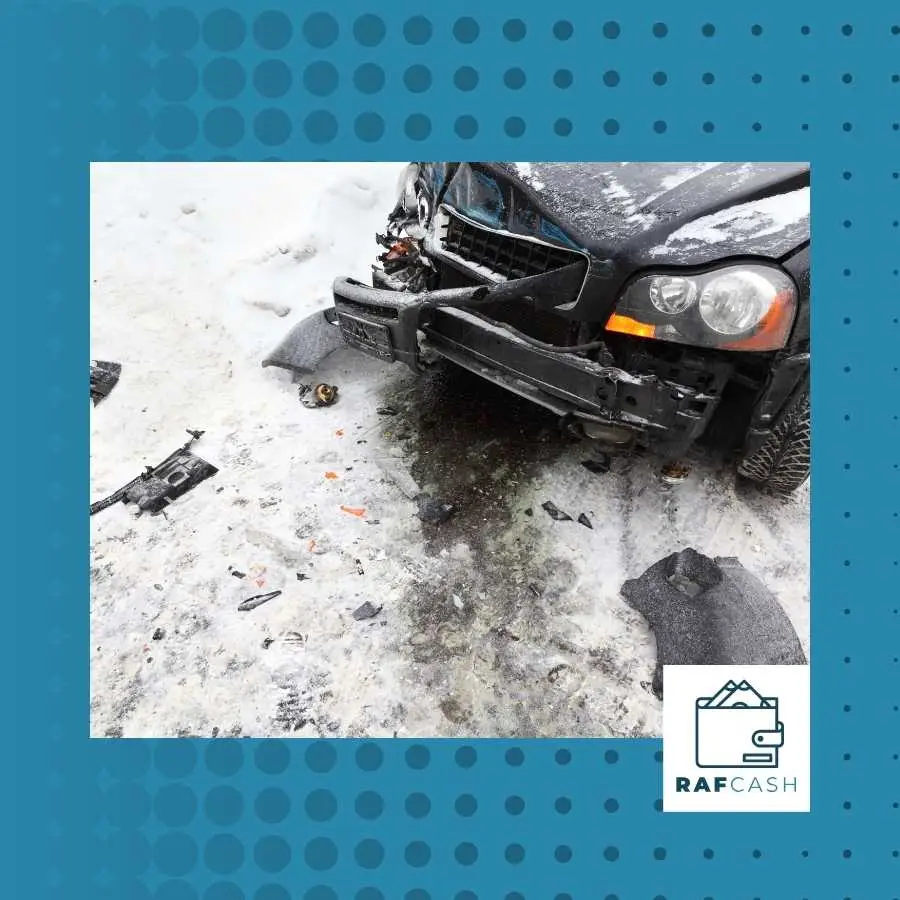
{"x":391,"y":325}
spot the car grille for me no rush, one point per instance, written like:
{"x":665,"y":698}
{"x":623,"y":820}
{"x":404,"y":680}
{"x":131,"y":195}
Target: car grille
{"x":498,"y":256}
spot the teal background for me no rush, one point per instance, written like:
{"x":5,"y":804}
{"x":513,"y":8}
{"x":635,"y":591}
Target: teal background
{"x":235,"y":820}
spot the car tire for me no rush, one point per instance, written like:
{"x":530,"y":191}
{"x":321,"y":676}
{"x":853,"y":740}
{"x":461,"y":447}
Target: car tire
{"x":781,"y":464}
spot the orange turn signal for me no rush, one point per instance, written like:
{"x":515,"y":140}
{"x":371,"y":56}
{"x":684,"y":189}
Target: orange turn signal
{"x":626,"y":325}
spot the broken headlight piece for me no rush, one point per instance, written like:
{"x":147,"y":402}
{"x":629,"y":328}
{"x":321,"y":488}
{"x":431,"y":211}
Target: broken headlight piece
{"x":738,"y":307}
{"x":407,"y":189}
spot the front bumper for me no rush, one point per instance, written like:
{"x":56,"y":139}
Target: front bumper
{"x":397,"y":326}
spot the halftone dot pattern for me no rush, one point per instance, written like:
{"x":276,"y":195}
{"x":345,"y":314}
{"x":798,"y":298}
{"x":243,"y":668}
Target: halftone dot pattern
{"x":236,"y":818}
{"x":224,"y":805}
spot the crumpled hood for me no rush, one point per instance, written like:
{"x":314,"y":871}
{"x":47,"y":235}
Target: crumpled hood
{"x":644,"y":214}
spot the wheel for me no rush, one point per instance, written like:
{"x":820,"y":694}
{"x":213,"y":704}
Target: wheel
{"x":781,"y":465}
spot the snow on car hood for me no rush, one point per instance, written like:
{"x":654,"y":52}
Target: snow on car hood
{"x":672,"y":213}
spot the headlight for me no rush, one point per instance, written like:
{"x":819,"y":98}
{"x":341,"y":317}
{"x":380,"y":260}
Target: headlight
{"x":406,"y":188}
{"x":745,"y":307}
{"x":672,"y":295}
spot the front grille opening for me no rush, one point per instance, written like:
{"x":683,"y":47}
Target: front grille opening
{"x":540,"y":324}
{"x":504,"y":255}
{"x":521,"y":314}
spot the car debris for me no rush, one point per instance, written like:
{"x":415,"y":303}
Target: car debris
{"x":502,"y":631}
{"x":556,"y":671}
{"x":236,"y":574}
{"x":257,"y":600}
{"x":302,"y":576}
{"x":674,"y":473}
{"x":595,"y":291}
{"x":320,"y":395}
{"x":711,"y":612}
{"x":104,"y":377}
{"x":584,"y":520}
{"x":367,"y":611}
{"x":154,"y":489}
{"x":307,"y":344}
{"x":555,"y":512}
{"x":433,"y":512}
{"x":599,"y":465}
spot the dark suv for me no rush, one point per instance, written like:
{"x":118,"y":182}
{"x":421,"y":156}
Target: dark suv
{"x":658,"y":303}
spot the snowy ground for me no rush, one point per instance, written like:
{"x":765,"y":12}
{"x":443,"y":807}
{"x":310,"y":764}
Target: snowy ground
{"x":497,"y":623}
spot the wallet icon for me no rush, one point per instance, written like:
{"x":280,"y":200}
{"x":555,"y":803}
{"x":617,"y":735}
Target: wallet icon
{"x":738,"y":728}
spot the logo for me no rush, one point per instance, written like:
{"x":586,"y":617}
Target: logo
{"x":725,"y":744}
{"x":738,"y":728}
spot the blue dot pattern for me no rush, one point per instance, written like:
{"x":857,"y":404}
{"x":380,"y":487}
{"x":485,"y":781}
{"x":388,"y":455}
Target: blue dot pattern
{"x":249,"y":820}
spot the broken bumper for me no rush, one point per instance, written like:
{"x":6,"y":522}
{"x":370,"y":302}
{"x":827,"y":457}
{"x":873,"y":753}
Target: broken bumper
{"x":395,"y":326}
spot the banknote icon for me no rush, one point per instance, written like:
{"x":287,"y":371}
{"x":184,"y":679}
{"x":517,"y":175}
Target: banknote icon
{"x":738,"y":728}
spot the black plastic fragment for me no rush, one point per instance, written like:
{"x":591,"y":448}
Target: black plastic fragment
{"x":104,"y":377}
{"x":367,"y":611}
{"x":555,"y":512}
{"x":434,"y":512}
{"x":584,"y":520}
{"x":257,"y":600}
{"x":158,"y":486}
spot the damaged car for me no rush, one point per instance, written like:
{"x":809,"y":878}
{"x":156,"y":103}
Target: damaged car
{"x":658,"y":304}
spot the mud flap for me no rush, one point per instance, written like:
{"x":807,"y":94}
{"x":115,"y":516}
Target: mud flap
{"x":711,"y":612}
{"x":307,"y":344}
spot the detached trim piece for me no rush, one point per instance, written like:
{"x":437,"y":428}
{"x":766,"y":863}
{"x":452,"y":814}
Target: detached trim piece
{"x":104,"y":377}
{"x":158,"y":486}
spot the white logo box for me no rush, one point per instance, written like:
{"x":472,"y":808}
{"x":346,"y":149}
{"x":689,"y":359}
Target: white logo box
{"x":736,"y":739}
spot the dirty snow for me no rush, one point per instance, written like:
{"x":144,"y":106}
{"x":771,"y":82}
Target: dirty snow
{"x":497,"y":623}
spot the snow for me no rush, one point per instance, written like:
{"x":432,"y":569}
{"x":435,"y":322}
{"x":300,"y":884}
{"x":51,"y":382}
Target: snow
{"x":677,"y":178}
{"x":768,"y":216}
{"x":526,"y":172}
{"x":197,"y":272}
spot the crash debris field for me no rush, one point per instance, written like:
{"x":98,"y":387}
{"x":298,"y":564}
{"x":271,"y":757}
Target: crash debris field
{"x":474,"y":611}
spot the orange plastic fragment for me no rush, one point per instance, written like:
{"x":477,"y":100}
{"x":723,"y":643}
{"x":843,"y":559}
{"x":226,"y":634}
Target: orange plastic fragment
{"x":331,"y":475}
{"x":357,"y":511}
